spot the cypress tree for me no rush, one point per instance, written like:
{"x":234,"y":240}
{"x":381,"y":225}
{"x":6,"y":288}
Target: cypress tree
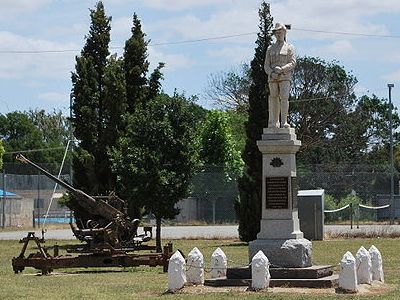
{"x":92,"y":172}
{"x":250,"y":183}
{"x":136,"y":65}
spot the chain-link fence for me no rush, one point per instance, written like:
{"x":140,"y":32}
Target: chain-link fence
{"x":366,"y":187}
{"x":28,"y":198}
{"x":213,"y":196}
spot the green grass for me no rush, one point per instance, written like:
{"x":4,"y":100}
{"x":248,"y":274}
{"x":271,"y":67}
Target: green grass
{"x":150,"y":283}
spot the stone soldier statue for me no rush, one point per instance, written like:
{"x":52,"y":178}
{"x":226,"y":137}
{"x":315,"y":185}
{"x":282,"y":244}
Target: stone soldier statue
{"x":280,"y":61}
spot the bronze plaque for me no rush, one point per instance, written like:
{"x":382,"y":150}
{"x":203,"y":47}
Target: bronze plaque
{"x":277,"y":192}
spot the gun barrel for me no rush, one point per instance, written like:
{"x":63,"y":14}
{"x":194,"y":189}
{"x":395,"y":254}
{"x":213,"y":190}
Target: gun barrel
{"x":65,"y":185}
{"x":99,"y":207}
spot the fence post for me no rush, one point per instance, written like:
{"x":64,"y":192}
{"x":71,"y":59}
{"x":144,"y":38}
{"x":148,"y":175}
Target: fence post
{"x":358,"y":216}
{"x":4,"y":199}
{"x":38,"y":198}
{"x":351,"y":215}
{"x":33,"y":219}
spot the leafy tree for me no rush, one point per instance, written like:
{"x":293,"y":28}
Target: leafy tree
{"x":370,"y":118}
{"x":230,"y":90}
{"x":249,"y":207}
{"x":155,"y":158}
{"x":321,"y":97}
{"x":216,"y":144}
{"x":221,"y":161}
{"x":54,"y":128}
{"x":19,"y":133}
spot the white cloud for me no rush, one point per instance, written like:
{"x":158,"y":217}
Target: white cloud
{"x":31,"y":65}
{"x":10,"y":8}
{"x":223,"y":23}
{"x":235,"y":55}
{"x":177,"y":5}
{"x":121,"y":27}
{"x":338,"y":49}
{"x":54,"y":97}
{"x":392,"y":77}
{"x":172,"y":61}
{"x":336,"y":15}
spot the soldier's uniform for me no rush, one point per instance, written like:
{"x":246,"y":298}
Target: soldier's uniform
{"x":280,"y":56}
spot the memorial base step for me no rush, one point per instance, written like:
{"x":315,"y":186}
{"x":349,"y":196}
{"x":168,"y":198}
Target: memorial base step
{"x":324,"y":282}
{"x":313,"y":272}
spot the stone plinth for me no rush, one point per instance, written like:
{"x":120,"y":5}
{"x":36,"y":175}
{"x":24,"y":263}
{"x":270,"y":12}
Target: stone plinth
{"x":292,"y":253}
{"x":280,"y":237}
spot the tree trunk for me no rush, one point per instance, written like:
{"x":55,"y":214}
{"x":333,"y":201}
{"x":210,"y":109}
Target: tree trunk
{"x":158,"y":234}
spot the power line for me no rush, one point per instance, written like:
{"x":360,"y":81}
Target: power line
{"x":34,"y":150}
{"x":348,"y":33}
{"x":205,"y":39}
{"x":202,"y":40}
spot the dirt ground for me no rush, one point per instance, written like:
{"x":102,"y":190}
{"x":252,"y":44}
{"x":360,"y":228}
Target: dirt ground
{"x":375,"y":289}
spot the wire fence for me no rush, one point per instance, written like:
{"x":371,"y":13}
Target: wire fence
{"x":213,"y":194}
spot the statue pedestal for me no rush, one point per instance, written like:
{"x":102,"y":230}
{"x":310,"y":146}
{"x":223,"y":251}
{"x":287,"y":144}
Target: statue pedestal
{"x":280,"y":237}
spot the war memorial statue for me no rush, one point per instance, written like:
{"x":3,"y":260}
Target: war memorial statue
{"x":280,"y":61}
{"x":280,"y":237}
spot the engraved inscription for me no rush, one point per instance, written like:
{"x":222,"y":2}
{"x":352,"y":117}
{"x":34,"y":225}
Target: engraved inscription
{"x":295,"y":190}
{"x":277,"y":193}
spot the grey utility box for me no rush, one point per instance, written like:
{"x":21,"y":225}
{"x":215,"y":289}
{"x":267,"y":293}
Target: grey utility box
{"x":311,"y":213}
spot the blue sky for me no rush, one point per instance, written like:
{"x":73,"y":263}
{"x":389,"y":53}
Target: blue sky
{"x":42,"y":80}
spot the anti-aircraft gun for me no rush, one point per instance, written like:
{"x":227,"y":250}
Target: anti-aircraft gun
{"x":109,"y":233}
{"x":108,"y":224}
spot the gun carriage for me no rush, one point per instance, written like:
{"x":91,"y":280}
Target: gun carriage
{"x":109,"y":236}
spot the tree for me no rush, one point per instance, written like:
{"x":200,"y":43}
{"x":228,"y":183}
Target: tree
{"x":217,"y":147}
{"x":138,"y":87}
{"x":155,"y":158}
{"x":221,"y":163}
{"x":371,"y":118}
{"x":321,"y":99}
{"x":19,"y":133}
{"x":90,"y":107}
{"x":136,"y":65}
{"x":54,"y":128}
{"x":230,"y":90}
{"x":249,"y":207}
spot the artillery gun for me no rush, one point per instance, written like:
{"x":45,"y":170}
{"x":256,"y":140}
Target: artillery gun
{"x":110,"y":236}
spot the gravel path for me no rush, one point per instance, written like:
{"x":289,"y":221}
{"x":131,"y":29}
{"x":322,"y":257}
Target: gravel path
{"x":204,"y":232}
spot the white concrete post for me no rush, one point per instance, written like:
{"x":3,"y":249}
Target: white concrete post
{"x":376,"y":262}
{"x":195,"y":263}
{"x":348,"y":274}
{"x":260,"y":276}
{"x":218,"y":264}
{"x":363,"y":265}
{"x":176,"y":272}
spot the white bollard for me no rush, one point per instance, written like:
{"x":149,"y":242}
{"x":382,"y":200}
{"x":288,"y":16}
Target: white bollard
{"x":260,"y":276}
{"x":195,"y":263}
{"x":218,"y":264}
{"x":348,"y":274}
{"x":363,"y":265}
{"x":376,"y":264}
{"x":176,"y":272}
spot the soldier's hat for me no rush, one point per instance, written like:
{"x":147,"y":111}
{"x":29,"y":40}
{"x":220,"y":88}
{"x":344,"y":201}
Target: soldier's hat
{"x":279,"y":26}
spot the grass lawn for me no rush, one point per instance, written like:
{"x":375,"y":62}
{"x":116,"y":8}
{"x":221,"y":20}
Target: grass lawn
{"x":150,"y":283}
